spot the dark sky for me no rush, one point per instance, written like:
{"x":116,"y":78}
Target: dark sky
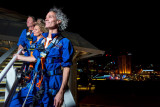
{"x":116,"y":26}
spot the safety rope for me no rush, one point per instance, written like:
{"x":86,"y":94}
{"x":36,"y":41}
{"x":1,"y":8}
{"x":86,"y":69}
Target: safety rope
{"x":30,"y":89}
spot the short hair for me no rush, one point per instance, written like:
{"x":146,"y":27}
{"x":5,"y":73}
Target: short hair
{"x":60,"y":16}
{"x":34,"y":20}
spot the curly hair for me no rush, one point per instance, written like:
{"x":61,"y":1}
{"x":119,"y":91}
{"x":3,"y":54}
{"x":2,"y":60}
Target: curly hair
{"x":42,"y":27}
{"x":60,"y":16}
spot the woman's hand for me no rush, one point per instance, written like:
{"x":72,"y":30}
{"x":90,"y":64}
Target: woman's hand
{"x":58,"y":100}
{"x":23,"y":52}
{"x":18,"y":57}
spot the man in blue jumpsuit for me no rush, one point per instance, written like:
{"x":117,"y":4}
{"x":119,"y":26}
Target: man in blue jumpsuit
{"x":26,"y":38}
{"x":27,"y":33}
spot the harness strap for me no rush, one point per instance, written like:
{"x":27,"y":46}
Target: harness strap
{"x":28,"y":77}
{"x":43,"y":55}
{"x":29,"y":89}
{"x":29,"y":35}
{"x":54,"y":72}
{"x":45,"y":51}
{"x":31,"y":63}
{"x":40,"y":82}
{"x":53,"y":43}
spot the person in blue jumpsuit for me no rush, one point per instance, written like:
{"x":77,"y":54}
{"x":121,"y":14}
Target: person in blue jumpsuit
{"x":59,"y":56}
{"x":25,"y":41}
{"x":57,"y":61}
{"x":26,"y":33}
{"x":20,"y":97}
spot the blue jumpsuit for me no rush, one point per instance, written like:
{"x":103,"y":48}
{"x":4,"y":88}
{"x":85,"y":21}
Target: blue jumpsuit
{"x":23,"y":38}
{"x":19,"y":98}
{"x":25,"y":42}
{"x":58,"y":56}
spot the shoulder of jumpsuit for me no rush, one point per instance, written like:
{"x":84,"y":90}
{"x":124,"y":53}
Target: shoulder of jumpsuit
{"x":24,"y":31}
{"x":45,"y":35}
{"x":34,"y":38}
{"x":23,"y":34}
{"x":63,"y":42}
{"x":67,"y":52}
{"x":39,"y":41}
{"x":22,"y":38}
{"x":36,"y":53}
{"x":53,"y":34}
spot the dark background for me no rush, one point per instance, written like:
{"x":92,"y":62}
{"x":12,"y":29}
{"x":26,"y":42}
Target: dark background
{"x":115,"y":26}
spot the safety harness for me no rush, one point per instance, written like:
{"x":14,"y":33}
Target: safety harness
{"x":32,"y":46}
{"x":29,"y":66}
{"x":41,"y":61}
{"x":43,"y":54}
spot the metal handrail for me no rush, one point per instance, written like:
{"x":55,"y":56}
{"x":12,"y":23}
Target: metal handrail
{"x":5,"y":55}
{"x":6,"y":69}
{"x":14,"y":86}
{"x":11,"y":93}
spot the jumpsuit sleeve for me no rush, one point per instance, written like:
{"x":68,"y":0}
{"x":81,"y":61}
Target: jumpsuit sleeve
{"x":67,"y":53}
{"x":22,"y":38}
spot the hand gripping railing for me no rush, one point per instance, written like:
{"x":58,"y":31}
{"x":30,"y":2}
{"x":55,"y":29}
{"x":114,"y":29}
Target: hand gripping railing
{"x":6,"y":69}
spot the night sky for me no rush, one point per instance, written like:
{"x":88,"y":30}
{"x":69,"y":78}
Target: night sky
{"x":116,"y":26}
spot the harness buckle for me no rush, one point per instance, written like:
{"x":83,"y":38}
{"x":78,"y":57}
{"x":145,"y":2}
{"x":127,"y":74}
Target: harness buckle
{"x":43,"y":54}
{"x":54,"y":72}
{"x":39,"y":83}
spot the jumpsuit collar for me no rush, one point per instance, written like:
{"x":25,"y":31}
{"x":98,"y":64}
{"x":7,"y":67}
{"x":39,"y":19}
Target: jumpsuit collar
{"x":53,"y":35}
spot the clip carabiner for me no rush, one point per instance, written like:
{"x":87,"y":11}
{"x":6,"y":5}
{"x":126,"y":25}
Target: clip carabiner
{"x":39,"y":83}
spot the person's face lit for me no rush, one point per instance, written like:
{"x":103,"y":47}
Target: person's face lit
{"x":30,"y":22}
{"x":37,"y":31}
{"x":51,"y":21}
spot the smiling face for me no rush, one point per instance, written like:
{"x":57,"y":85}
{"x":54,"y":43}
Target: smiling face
{"x":51,"y":21}
{"x":37,"y":31}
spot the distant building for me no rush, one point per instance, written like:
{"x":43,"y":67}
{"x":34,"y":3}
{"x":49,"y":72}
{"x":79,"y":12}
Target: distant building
{"x":124,"y":64}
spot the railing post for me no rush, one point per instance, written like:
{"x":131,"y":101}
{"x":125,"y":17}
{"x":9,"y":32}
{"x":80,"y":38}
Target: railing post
{"x":10,"y":79}
{"x":68,"y":99}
